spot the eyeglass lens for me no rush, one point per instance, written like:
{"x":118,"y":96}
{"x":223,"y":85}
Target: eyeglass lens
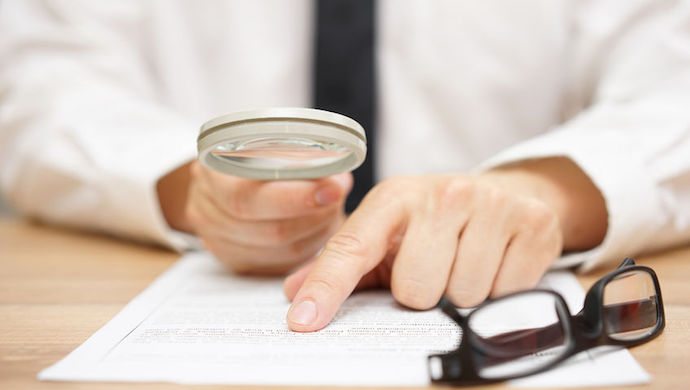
{"x":518,"y":334}
{"x":631,"y":306}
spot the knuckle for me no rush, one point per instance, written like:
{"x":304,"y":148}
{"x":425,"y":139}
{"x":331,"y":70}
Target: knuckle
{"x":413,"y":293}
{"x":284,"y":199}
{"x":538,"y":216}
{"x":495,"y":197}
{"x":390,"y":188}
{"x":237,"y":206}
{"x":394,"y":193}
{"x":293,"y":205}
{"x":344,"y":245}
{"x":195,"y":170}
{"x":556,"y":246}
{"x":302,"y":250}
{"x":235,"y":196}
{"x":546,"y":248}
{"x":456,"y":191}
{"x":325,"y":286}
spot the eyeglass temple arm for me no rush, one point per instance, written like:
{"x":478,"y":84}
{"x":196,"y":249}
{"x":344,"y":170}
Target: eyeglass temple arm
{"x":519,"y":343}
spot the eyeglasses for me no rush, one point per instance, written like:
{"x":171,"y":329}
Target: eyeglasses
{"x":528,"y":332}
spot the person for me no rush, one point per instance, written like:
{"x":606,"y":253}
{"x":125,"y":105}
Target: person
{"x":508,"y":134}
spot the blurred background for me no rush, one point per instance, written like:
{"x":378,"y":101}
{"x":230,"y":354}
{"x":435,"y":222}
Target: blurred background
{"x":4,"y":208}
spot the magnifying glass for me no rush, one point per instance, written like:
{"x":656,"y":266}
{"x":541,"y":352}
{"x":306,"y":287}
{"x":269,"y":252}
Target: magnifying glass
{"x":282,"y":144}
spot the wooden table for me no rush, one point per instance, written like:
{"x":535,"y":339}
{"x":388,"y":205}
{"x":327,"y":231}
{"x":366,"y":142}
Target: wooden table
{"x":57,"y":287}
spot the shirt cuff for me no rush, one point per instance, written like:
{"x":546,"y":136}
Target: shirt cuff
{"x":129,"y":161}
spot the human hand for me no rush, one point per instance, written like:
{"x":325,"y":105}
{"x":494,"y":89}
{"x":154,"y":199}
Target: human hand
{"x":264,"y":227}
{"x":470,"y":237}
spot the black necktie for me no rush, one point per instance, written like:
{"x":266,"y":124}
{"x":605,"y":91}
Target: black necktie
{"x":344,"y":79}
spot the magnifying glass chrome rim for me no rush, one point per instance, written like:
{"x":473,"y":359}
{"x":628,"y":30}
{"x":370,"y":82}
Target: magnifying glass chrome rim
{"x":301,"y":123}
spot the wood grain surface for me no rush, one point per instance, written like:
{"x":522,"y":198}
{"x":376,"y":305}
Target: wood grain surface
{"x":58,"y":286}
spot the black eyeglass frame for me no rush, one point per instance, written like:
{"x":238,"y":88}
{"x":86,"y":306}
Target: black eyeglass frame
{"x":584,"y":330}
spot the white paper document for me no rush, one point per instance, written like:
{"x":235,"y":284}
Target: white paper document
{"x":199,"y":324}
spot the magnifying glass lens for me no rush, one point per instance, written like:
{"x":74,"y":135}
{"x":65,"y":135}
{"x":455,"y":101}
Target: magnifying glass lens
{"x":281,"y":153}
{"x":282,"y":144}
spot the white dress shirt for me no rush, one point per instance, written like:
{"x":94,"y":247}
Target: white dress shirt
{"x":98,"y":100}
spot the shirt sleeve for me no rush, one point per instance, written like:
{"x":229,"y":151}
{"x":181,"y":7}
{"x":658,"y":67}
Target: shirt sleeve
{"x":84,"y":137}
{"x":633,"y":138}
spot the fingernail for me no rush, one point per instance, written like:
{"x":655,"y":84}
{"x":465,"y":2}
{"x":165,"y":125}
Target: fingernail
{"x":304,"y":313}
{"x":327,"y":195}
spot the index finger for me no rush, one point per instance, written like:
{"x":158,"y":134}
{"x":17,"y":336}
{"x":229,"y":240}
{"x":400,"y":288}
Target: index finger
{"x":356,"y":249}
